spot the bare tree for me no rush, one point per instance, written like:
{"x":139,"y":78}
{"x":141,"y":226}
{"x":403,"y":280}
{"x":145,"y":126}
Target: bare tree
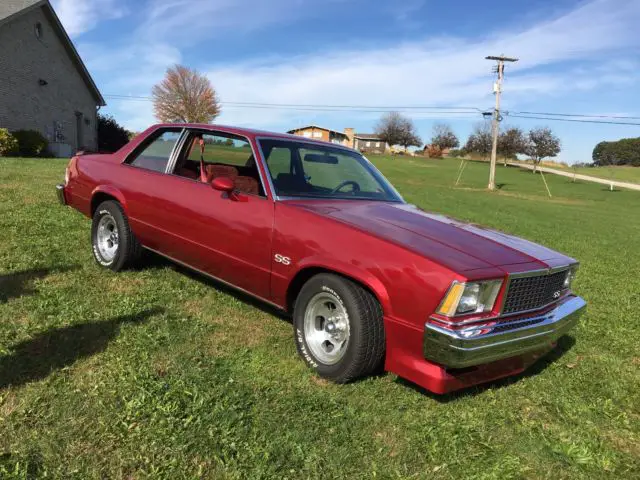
{"x":185,"y":96}
{"x":480,"y":140}
{"x":409,"y":137}
{"x":542,"y":144}
{"x":390,"y":128}
{"x":511,"y":142}
{"x":396,"y":129}
{"x":443,"y":137}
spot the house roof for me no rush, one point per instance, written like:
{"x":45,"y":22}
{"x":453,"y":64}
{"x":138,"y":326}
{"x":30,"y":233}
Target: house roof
{"x":10,"y":9}
{"x":367,"y":136}
{"x":318,"y":127}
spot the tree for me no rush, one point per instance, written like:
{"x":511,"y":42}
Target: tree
{"x":389,"y":128}
{"x":625,"y":151}
{"x":185,"y":96}
{"x":511,"y":142}
{"x":480,"y":140}
{"x":443,"y":137}
{"x":396,"y":129}
{"x":409,"y":136}
{"x":111,"y":136}
{"x":542,"y":144}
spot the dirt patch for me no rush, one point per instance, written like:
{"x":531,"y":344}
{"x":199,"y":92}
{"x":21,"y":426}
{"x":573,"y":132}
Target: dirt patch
{"x":389,"y":440}
{"x":125,"y":285}
{"x":8,"y":404}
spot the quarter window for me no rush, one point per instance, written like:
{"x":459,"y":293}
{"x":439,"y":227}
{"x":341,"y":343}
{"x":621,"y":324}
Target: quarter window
{"x":157,"y":150}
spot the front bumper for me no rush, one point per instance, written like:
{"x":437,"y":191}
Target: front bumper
{"x":60,"y":193}
{"x":476,"y":345}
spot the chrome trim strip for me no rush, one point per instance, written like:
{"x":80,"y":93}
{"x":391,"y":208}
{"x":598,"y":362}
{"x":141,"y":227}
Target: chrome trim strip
{"x":177,"y":147}
{"x":477,"y":344}
{"x":60,"y":194}
{"x":217,"y":279}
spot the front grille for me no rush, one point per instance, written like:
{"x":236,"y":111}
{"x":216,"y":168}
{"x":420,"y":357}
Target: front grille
{"x":529,"y":293}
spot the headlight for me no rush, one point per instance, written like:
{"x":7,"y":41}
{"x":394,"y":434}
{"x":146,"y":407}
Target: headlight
{"x":470,"y":297}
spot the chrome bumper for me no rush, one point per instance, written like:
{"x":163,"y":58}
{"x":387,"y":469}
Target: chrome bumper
{"x":60,"y":193}
{"x":476,"y":345}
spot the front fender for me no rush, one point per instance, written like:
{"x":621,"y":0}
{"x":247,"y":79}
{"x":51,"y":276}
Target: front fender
{"x":354,"y":272}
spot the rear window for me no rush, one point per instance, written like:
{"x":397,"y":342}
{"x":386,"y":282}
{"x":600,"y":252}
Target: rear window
{"x":155,"y":152}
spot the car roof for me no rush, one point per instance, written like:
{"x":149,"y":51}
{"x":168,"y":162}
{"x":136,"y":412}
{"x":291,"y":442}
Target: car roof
{"x":248,"y":132}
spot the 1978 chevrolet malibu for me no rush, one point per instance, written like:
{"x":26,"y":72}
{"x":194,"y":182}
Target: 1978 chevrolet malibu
{"x":314,"y":229}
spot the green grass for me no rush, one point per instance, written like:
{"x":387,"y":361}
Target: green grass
{"x":156,"y":373}
{"x":622,"y":174}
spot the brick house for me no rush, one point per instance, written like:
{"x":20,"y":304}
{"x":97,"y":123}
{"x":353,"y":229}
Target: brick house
{"x":364,"y":142}
{"x":44,"y":85}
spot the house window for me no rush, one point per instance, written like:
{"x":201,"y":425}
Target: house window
{"x":317,"y":134}
{"x":306,"y":134}
{"x":378,"y":144}
{"x":37,"y":30}
{"x":368,"y":144}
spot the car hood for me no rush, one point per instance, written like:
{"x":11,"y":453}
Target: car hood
{"x":457,"y":245}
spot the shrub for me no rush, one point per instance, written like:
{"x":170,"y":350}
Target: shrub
{"x":8,"y":143}
{"x":111,"y":136}
{"x":31,"y":143}
{"x":434,"y":151}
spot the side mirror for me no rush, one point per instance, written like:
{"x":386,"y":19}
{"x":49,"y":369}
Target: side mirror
{"x":224,"y":184}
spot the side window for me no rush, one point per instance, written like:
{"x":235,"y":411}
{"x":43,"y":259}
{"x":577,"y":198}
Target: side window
{"x":156,"y":150}
{"x":279,"y":161}
{"x":222,"y":149}
{"x":210,"y":155}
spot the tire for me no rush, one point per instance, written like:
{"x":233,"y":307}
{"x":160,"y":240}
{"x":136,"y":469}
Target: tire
{"x":121,"y":250}
{"x":319,"y":329}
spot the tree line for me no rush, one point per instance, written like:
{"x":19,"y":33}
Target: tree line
{"x":625,"y":151}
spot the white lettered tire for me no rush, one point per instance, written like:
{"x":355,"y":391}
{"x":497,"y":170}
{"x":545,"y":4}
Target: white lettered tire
{"x":338,"y":328}
{"x":113,"y":243}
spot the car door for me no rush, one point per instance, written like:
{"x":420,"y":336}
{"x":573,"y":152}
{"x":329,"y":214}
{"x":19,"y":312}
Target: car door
{"x":144,"y":186}
{"x":227,"y":236}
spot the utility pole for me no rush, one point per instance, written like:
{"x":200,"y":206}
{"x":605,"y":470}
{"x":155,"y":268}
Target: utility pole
{"x":495,"y":125}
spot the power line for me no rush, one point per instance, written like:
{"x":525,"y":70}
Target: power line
{"x":458,"y":109}
{"x":435,"y":109}
{"x":573,"y":120}
{"x":583,"y":115}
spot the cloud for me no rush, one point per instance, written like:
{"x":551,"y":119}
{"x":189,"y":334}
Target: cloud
{"x":80,"y":16}
{"x":579,"y":50}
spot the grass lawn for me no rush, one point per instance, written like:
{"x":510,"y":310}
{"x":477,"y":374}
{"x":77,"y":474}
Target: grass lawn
{"x":622,"y":174}
{"x":158,"y":373}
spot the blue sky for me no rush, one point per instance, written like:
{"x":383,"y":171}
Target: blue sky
{"x":575,"y":57}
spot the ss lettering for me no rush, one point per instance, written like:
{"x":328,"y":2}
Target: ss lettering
{"x":282,"y":259}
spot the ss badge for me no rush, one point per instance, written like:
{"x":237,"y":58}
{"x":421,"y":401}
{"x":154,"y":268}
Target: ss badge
{"x":282,"y":259}
{"x":557,"y":294}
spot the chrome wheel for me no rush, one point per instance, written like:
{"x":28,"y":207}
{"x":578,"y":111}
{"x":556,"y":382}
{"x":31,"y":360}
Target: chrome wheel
{"x":107,"y":238}
{"x":326,"y":328}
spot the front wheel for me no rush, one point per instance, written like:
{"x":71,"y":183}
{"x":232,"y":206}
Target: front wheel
{"x":338,"y":328}
{"x":114,"y":245}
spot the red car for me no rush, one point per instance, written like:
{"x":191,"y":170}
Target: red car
{"x":313,"y":228}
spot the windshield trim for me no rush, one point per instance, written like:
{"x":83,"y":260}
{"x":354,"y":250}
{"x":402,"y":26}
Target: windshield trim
{"x":317,"y":143}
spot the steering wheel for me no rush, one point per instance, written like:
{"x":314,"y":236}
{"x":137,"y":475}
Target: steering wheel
{"x":355,"y":185}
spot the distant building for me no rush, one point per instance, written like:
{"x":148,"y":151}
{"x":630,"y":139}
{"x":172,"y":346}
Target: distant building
{"x":320,"y":133}
{"x":44,"y":85}
{"x":363,"y":142}
{"x":369,"y":143}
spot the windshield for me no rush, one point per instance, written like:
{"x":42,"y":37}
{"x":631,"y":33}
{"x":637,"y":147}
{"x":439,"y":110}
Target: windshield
{"x":300,"y":169}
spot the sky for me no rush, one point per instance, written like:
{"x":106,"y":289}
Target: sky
{"x":575,"y":56}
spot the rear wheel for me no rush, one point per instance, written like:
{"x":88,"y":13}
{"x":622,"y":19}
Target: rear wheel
{"x":113,"y":242}
{"x":339,"y":330}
